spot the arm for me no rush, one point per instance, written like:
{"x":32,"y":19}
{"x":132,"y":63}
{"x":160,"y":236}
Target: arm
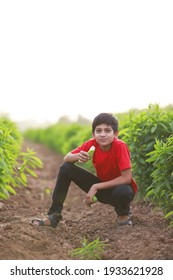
{"x":79,"y":154}
{"x":81,"y":157}
{"x":124,"y":178}
{"x":71,"y":157}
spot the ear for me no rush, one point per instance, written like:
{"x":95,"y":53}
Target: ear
{"x":116,"y":134}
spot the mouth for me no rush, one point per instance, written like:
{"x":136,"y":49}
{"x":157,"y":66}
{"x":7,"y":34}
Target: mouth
{"x":103,"y":140}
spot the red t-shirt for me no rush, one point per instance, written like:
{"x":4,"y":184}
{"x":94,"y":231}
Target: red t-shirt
{"x":109,"y":164}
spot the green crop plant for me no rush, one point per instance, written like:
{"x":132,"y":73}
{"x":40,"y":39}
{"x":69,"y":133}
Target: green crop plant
{"x":15,"y":166}
{"x":90,"y":250}
{"x":26,"y":162}
{"x":140,"y":132}
{"x":161,"y":188}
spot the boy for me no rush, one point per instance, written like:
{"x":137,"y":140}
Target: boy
{"x":113,"y":183}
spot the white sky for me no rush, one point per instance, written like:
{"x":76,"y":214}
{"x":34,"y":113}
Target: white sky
{"x":84,"y":57}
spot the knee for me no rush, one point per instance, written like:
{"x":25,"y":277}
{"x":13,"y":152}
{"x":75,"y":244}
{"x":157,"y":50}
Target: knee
{"x":124,"y":193}
{"x":66,"y":167}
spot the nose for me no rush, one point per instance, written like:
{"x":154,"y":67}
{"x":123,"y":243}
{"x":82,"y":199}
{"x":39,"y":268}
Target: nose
{"x":102,"y":134}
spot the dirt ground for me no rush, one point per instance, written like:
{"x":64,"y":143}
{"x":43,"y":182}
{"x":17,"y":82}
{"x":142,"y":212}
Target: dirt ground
{"x":149,"y":237}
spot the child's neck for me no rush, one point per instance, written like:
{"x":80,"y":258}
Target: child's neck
{"x":106,"y":148}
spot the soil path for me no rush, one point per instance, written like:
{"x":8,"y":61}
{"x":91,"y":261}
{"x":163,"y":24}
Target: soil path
{"x":149,"y":238}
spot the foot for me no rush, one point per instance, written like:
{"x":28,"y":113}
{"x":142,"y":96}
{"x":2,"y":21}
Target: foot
{"x":51,"y":220}
{"x":38,"y":222}
{"x":124,"y":220}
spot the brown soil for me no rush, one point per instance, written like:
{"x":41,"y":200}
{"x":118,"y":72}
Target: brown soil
{"x":148,"y":238}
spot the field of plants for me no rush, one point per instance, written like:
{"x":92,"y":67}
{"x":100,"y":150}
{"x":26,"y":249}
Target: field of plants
{"x":32,"y":160}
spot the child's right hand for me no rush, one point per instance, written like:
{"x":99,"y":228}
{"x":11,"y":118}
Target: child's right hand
{"x":83,"y":157}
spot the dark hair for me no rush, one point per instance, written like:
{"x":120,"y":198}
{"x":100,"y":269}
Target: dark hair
{"x":105,"y":118}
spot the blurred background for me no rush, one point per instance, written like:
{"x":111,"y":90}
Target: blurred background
{"x":80,"y":58}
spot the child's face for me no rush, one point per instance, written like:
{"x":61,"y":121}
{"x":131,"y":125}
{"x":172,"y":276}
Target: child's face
{"x":104,"y":136}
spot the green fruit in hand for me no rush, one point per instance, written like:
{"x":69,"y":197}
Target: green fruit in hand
{"x":91,"y":151}
{"x":94,"y":199}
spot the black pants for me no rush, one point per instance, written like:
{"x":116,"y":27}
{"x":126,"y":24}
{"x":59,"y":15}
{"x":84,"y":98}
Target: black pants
{"x":119,"y":197}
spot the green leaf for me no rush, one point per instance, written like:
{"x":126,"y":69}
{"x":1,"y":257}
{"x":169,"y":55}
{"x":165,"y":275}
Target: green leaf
{"x":168,"y":215}
{"x":10,"y":189}
{"x":153,"y":129}
{"x":32,"y":173}
{"x":23,"y":177}
{"x":3,"y":195}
